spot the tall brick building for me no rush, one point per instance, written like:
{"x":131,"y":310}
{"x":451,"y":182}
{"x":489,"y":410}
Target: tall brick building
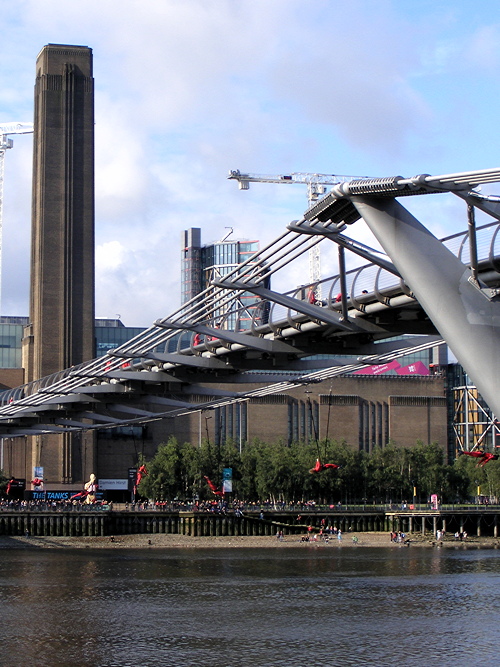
{"x":61,"y":330}
{"x":60,"y":333}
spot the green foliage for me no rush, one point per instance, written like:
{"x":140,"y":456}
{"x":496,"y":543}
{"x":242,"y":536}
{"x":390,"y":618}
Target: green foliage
{"x":3,"y":483}
{"x":280,"y":472}
{"x":164,"y":472}
{"x":487,"y":477}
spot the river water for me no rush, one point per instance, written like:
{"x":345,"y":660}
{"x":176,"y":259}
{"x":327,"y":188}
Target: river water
{"x":300,"y":607}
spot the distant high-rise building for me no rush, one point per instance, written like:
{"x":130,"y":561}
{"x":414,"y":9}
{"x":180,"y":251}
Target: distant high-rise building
{"x":201,"y":264}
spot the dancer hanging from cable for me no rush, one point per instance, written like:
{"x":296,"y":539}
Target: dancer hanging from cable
{"x":319,"y":467}
{"x":483,"y":457}
{"x":215,"y":490}
{"x":141,"y":472}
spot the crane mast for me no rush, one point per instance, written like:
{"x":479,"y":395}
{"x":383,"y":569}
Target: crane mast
{"x":5,"y":143}
{"x":316,"y":187}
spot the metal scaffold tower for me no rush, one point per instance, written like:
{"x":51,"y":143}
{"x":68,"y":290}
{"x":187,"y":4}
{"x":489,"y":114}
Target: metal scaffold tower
{"x":5,"y":143}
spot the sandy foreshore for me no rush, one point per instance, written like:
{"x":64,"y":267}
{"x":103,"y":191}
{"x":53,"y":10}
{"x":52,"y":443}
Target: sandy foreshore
{"x":161,"y":541}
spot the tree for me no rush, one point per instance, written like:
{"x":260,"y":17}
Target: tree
{"x":3,"y":483}
{"x":387,"y":474}
{"x":164,"y":473}
{"x":471,"y":476}
{"x":279,"y":471}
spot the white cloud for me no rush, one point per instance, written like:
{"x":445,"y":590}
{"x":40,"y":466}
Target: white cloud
{"x":109,"y":257}
{"x":188,"y":89}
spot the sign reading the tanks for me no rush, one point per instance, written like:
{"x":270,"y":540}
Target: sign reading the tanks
{"x":49,"y":496}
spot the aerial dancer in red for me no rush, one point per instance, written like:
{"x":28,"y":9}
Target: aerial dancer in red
{"x":141,"y":472}
{"x":213,"y":488}
{"x":483,"y":457}
{"x":81,"y":494}
{"x":319,"y":467}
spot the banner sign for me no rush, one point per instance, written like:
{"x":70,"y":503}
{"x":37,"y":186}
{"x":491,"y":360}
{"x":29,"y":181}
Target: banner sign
{"x":113,"y":484}
{"x":227,"y":480}
{"x":132,"y":476}
{"x":417,"y":368}
{"x":54,"y":495}
{"x":378,"y":369}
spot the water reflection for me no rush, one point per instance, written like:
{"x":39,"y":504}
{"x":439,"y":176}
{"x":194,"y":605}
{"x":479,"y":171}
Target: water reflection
{"x":249,"y":607}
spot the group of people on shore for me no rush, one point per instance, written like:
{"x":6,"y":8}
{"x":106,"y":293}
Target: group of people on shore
{"x":399,"y":537}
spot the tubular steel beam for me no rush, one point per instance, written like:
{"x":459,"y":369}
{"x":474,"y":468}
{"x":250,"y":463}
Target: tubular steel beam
{"x":263,"y":344}
{"x":312,"y":311}
{"x":172,"y":358}
{"x":463,"y":314}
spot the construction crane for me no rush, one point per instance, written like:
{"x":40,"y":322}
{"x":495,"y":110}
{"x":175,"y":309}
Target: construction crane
{"x":316,"y":187}
{"x":5,"y":143}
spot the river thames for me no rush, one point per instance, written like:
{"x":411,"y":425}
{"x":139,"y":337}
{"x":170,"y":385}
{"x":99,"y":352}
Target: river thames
{"x":301,"y":607}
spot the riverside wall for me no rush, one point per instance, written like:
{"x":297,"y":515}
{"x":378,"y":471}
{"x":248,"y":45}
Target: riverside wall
{"x":479,"y":522}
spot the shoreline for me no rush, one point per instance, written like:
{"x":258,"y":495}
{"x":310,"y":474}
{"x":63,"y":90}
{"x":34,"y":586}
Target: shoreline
{"x":173,"y":541}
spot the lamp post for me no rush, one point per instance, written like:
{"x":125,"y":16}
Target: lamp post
{"x":313,"y":421}
{"x":478,"y":491}
{"x":206,"y":428}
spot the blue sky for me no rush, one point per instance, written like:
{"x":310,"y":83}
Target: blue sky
{"x":188,"y":89}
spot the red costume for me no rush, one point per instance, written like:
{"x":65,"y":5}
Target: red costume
{"x":142,"y":472}
{"x":213,"y":488}
{"x":318,"y":467}
{"x":484,"y":457}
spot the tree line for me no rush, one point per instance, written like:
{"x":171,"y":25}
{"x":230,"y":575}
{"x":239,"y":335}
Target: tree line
{"x":280,"y":472}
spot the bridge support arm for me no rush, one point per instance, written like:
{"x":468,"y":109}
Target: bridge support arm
{"x":312,"y":311}
{"x":245,"y":340}
{"x":464,"y":316}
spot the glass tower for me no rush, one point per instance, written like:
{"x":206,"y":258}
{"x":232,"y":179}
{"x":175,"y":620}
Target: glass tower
{"x":202,"y":264}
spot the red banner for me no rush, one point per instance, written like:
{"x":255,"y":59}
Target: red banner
{"x":378,"y":369}
{"x":418,"y":368}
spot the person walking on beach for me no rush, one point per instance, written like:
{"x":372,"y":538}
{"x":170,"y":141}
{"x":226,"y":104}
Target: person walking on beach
{"x":339,"y":535}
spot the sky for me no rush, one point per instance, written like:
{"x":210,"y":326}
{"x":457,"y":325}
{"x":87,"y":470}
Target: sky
{"x":188,"y":89}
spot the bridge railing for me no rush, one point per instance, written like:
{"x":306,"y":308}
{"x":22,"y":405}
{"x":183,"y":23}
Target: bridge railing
{"x":370,"y":283}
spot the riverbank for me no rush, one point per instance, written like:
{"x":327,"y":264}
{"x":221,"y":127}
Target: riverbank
{"x":171,"y":541}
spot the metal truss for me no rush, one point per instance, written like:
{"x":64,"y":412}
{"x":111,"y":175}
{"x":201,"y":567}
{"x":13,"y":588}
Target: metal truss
{"x":473,"y":424}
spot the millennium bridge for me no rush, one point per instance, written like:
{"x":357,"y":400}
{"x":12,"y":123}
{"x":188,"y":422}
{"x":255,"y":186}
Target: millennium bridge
{"x":417,"y":292}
